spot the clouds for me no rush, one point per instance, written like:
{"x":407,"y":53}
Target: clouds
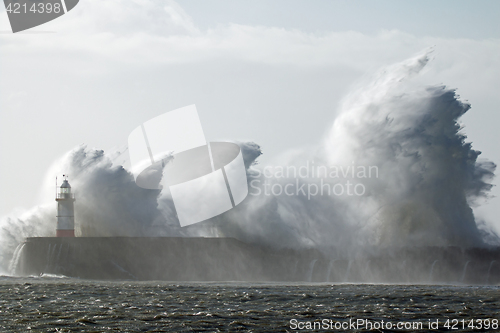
{"x":154,"y":31}
{"x":146,"y":33}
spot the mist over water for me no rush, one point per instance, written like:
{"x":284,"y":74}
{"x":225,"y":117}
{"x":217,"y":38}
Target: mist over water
{"x":427,"y":179}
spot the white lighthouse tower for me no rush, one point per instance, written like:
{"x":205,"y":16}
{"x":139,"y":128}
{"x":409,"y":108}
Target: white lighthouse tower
{"x":65,"y":210}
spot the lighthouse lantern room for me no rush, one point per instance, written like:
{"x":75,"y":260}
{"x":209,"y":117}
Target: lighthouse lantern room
{"x":65,"y":210}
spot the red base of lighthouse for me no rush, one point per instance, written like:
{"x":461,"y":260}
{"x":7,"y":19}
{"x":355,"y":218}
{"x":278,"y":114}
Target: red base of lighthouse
{"x":65,"y":233}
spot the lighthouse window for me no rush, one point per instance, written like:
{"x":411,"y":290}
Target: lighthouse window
{"x":65,"y":190}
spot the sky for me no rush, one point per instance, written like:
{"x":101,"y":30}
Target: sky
{"x":272,"y":72}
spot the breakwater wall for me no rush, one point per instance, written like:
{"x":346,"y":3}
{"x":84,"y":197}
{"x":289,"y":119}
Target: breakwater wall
{"x":227,"y":259}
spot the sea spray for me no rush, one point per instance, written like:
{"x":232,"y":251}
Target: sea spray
{"x":36,"y":222}
{"x":427,"y":176}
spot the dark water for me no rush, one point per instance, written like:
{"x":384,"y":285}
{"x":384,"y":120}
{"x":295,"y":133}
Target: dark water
{"x":70,"y":305}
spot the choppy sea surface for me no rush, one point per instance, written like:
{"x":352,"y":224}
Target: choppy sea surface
{"x":58,"y":304}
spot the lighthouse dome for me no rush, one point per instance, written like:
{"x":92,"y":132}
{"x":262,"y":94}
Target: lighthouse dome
{"x":65,"y":184}
{"x":65,"y":190}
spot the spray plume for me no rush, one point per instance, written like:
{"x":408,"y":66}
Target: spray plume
{"x":425,"y":175}
{"x":425,"y":178}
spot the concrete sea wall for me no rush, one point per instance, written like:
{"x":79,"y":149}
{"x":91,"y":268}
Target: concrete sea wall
{"x":227,"y":259}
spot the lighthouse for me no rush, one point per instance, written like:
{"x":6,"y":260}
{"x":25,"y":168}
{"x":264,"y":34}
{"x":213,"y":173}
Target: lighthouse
{"x":65,"y":210}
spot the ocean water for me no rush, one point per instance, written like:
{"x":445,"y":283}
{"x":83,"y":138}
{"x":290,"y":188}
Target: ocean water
{"x":57,"y":304}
